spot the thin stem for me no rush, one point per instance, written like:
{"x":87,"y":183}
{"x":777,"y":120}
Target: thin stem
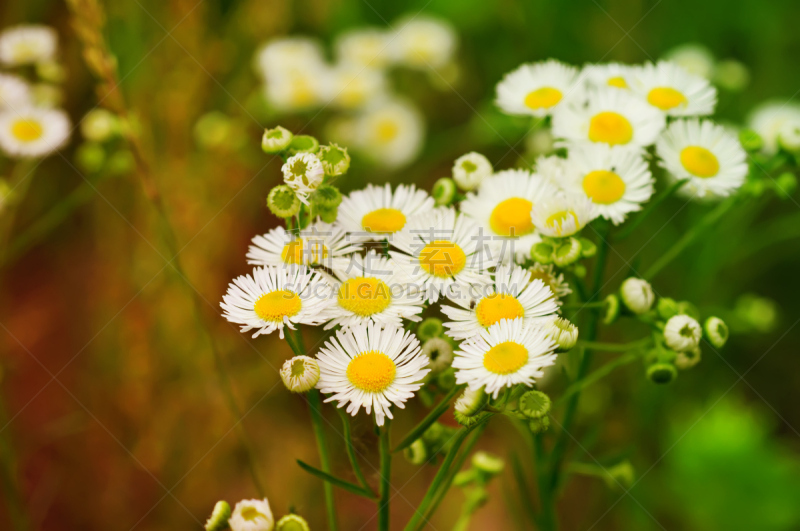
{"x":429,"y":419}
{"x":657,"y":200}
{"x":547,"y":518}
{"x":9,"y":478}
{"x":315,"y":404}
{"x":351,"y":451}
{"x":386,"y":476}
{"x":689,"y":237}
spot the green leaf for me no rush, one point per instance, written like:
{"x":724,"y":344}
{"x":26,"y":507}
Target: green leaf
{"x":337,"y":482}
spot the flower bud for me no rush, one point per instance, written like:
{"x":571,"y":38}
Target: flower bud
{"x":302,"y":144}
{"x":471,"y":402}
{"x":303,"y":173}
{"x":416,"y":453}
{"x":687,"y":308}
{"x":327,"y":196}
{"x":568,"y":252}
{"x":750,"y":140}
{"x":534,"y":404}
{"x":252,"y":515}
{"x":50,"y":71}
{"x":328,"y":215}
{"x":335,"y":160}
{"x":789,"y":136}
{"x":563,"y":333}
{"x":489,"y":464}
{"x":542,"y":252}
{"x":121,"y":162}
{"x":588,"y":248}
{"x":218,"y":521}
{"x":682,"y":333}
{"x":610,"y":309}
{"x":100,"y":125}
{"x":667,"y":308}
{"x":444,"y":191}
{"x":213,"y":129}
{"x":716,"y":331}
{"x":440,"y":354}
{"x":90,"y":157}
{"x":276,"y":140}
{"x":688,"y":359}
{"x":470,"y":169}
{"x":300,"y":374}
{"x":283,"y":202}
{"x":757,"y":313}
{"x":539,"y":425}
{"x":447,"y":378}
{"x":785,"y":185}
{"x":662,"y":373}
{"x":292,"y":522}
{"x":732,"y":75}
{"x":637,"y":295}
{"x":430,"y":328}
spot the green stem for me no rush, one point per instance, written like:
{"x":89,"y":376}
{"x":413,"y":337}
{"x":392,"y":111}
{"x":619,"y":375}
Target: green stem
{"x":386,"y":476}
{"x":595,"y":376}
{"x":9,"y":477}
{"x":19,"y":182}
{"x":429,"y":419}
{"x":689,"y":237}
{"x":315,"y":404}
{"x":547,"y":515}
{"x":615,"y":347}
{"x":351,"y":451}
{"x":657,"y":200}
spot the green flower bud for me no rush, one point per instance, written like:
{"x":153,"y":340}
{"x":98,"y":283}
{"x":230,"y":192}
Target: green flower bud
{"x":430,"y":328}
{"x":732,"y":75}
{"x":579,"y":270}
{"x":534,"y":404}
{"x":563,"y":333}
{"x":446,"y":379}
{"x":417,"y":453}
{"x":716,"y":331}
{"x":327,"y":196}
{"x":465,"y":477}
{"x":470,"y":169}
{"x":688,"y":359}
{"x":51,"y":71}
{"x":90,"y":157}
{"x":750,"y":140}
{"x":662,"y":373}
{"x":610,"y":309}
{"x":300,"y":374}
{"x":444,"y":191}
{"x":218,"y":521}
{"x":471,"y":402}
{"x":121,"y":162}
{"x":682,"y":332}
{"x":100,"y":125}
{"x":757,"y":313}
{"x":667,"y":308}
{"x":487,"y":463}
{"x":335,"y":160}
{"x":468,"y":421}
{"x":637,"y":295}
{"x":542,"y":252}
{"x":687,"y":308}
{"x":568,"y":252}
{"x":440,"y":354}
{"x":785,"y":185}
{"x":328,"y":215}
{"x":276,"y":140}
{"x":303,"y":144}
{"x":588,"y":248}
{"x":539,"y":425}
{"x":292,"y":522}
{"x":213,"y":129}
{"x":283,"y":202}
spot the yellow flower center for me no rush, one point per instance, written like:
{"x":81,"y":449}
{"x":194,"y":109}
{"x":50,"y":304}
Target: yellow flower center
{"x":497,"y":306}
{"x":543,"y":98}
{"x":371,"y":371}
{"x":386,"y":130}
{"x":666,"y":98}
{"x":618,"y":82}
{"x":251,"y":514}
{"x":442,"y":258}
{"x":699,"y":161}
{"x":512,"y":217}
{"x":364,"y":296}
{"x":611,"y":128}
{"x":603,"y":187}
{"x":557,"y":219}
{"x":276,"y":305}
{"x":297,"y":252}
{"x":26,"y":130}
{"x":384,"y":220}
{"x":505,"y":358}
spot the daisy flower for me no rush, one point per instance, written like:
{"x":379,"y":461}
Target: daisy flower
{"x":296,"y":90}
{"x":552,"y":279}
{"x":537,"y":89}
{"x":364,"y":47}
{"x":423,"y":42}
{"x":33,"y":132}
{"x":671,"y":89}
{"x":617,"y":179}
{"x":512,"y":295}
{"x":562,"y":215}
{"x":441,"y":248}
{"x":274,"y":297}
{"x":502,"y":206}
{"x":14,"y":92}
{"x":615,"y":75}
{"x":376,"y":213}
{"x":319,"y":244}
{"x":769,"y":118}
{"x":553,"y":169}
{"x":281,"y":56}
{"x":303,"y":173}
{"x":27,"y":44}
{"x":611,"y":116}
{"x":705,"y":153}
{"x":390,"y":132}
{"x":371,"y":367}
{"x":252,"y":515}
{"x":504,"y":355}
{"x":351,"y":86}
{"x":694,"y":58}
{"x":373,"y":289}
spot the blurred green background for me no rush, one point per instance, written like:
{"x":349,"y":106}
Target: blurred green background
{"x":112,"y":401}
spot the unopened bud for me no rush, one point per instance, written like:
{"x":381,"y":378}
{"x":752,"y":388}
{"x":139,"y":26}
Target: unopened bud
{"x":688,"y":359}
{"x":785,"y":185}
{"x":300,"y":374}
{"x":276,"y":140}
{"x":487,"y":463}
{"x":637,"y":295}
{"x":667,"y":308}
{"x":417,"y":453}
{"x":292,"y":522}
{"x":610,"y":309}
{"x":440,"y":354}
{"x":568,"y":252}
{"x":470,"y":169}
{"x":283,"y":202}
{"x":327,"y":196}
{"x":218,"y":521}
{"x":335,"y":160}
{"x":430,"y":328}
{"x":662,"y":373}
{"x":750,"y":140}
{"x":539,"y":425}
{"x":90,"y":157}
{"x":534,"y":404}
{"x":682,"y":333}
{"x":447,"y":378}
{"x":303,"y":144}
{"x":100,"y":125}
{"x":716,"y":331}
{"x":471,"y":402}
{"x":542,"y":252}
{"x":444,"y":191}
{"x":588,"y":248}
{"x":563,"y":333}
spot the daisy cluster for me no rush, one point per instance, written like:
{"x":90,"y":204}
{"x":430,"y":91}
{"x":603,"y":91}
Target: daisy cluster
{"x":612,"y":120}
{"x":31,"y":124}
{"x":370,"y":118}
{"x":372,"y":264}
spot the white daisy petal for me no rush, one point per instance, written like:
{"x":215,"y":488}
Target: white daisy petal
{"x":27,"y":44}
{"x":537,"y":89}
{"x":671,"y":89}
{"x":33,"y":132}
{"x":376,"y":212}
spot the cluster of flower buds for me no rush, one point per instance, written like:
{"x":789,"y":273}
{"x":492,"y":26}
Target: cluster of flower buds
{"x":104,"y":148}
{"x":563,"y":252}
{"x":251,"y":515}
